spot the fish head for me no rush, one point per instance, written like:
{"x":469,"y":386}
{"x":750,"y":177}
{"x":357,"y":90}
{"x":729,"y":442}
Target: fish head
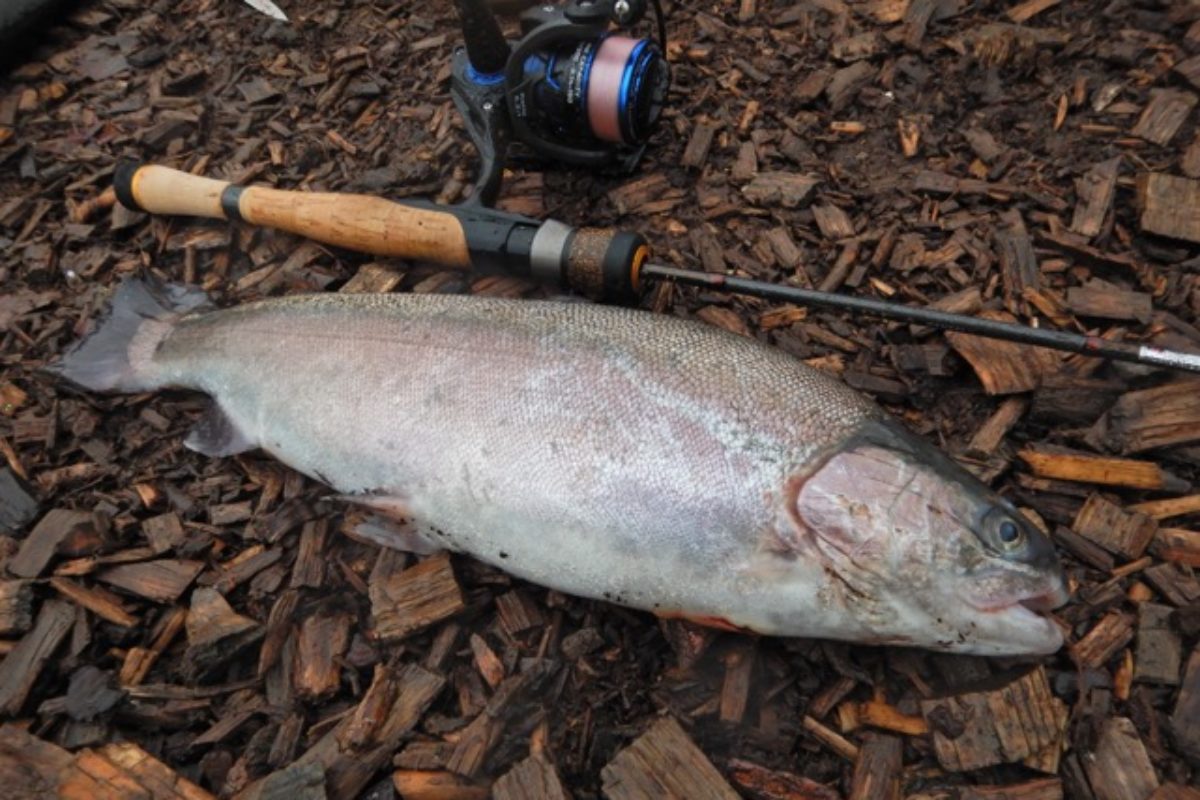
{"x":917,"y":550}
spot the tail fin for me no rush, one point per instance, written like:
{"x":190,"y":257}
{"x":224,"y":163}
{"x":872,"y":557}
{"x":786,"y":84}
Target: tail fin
{"x":116,"y":355}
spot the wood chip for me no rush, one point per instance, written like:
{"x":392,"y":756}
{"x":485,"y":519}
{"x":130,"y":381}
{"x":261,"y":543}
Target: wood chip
{"x":1024,"y":11}
{"x":1159,"y":650}
{"x":348,"y":770}
{"x":1119,"y":768}
{"x":532,"y":779}
{"x":162,"y":581}
{"x":785,"y":189}
{"x":877,"y":771}
{"x":766,"y":784}
{"x":1164,"y":114}
{"x":518,"y":612}
{"x":1169,"y":205}
{"x":1094,"y":192}
{"x":16,"y":607}
{"x":43,"y":541}
{"x":992,"y":432}
{"x":1148,"y":419}
{"x":100,"y":602}
{"x":1003,"y":367}
{"x":319,"y":647}
{"x":405,"y":602}
{"x":414,"y":784}
{"x":1104,"y":640}
{"x":1185,"y":718}
{"x":1003,"y":726}
{"x":21,"y":667}
{"x":664,"y":763}
{"x":696,"y":153}
{"x":735,"y":690}
{"x":30,"y":767}
{"x":1104,"y":301}
{"x":1117,"y":531}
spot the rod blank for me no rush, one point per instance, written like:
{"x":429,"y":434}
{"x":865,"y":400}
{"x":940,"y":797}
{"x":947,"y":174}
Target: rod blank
{"x":1009,"y":331}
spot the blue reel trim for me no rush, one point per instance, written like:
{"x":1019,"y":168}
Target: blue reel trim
{"x":629,"y":77}
{"x":484,"y":78}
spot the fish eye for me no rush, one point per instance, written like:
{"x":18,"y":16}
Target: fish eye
{"x":1010,"y":534}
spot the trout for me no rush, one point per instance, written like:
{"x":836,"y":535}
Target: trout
{"x":609,"y":453}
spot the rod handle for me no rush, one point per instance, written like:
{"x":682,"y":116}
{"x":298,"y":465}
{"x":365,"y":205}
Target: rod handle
{"x":353,"y":221}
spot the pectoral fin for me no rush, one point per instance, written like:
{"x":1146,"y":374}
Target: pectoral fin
{"x":393,"y":526}
{"x":217,"y":435}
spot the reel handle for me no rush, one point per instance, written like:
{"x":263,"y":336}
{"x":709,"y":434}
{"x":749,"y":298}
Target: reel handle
{"x":601,"y":264}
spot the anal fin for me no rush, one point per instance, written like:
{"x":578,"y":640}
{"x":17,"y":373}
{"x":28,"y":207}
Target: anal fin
{"x":217,"y":435}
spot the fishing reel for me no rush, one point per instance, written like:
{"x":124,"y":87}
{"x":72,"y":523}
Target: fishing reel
{"x":574,"y":88}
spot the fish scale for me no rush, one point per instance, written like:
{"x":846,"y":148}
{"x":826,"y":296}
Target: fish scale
{"x":605,"y":452}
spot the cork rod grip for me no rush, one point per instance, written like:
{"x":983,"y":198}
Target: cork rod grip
{"x":356,"y":222}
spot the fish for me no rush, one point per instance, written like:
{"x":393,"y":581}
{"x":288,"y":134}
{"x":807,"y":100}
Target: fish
{"x":612,"y":453}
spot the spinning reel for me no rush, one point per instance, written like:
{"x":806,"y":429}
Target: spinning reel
{"x":573,"y":88}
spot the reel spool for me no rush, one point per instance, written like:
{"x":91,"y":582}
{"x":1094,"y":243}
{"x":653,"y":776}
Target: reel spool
{"x":574,"y":88}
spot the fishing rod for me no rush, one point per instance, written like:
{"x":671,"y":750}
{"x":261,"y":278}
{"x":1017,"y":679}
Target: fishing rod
{"x":602,"y":264}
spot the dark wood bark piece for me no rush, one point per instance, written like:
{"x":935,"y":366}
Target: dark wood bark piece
{"x":99,"y":601}
{"x":162,"y":581}
{"x":17,"y":505}
{"x":519,"y":612}
{"x":1003,"y":367}
{"x":1180,"y":588}
{"x":1105,"y":301}
{"x":319,"y":647}
{"x":1101,"y":643}
{"x":878,"y":768}
{"x":1042,"y":789}
{"x":437,"y":785}
{"x":1077,"y":400}
{"x":16,"y":607}
{"x":696,"y":153}
{"x":846,"y":83}
{"x":1175,"y":791}
{"x":761,"y":783}
{"x":309,"y":569}
{"x":519,"y":695}
{"x":1006,"y":725}
{"x":1116,"y":530}
{"x":164,"y":532}
{"x":786,"y":189}
{"x":1119,"y":768}
{"x":832,"y":221}
{"x":215,"y":633}
{"x":408,"y":601}
{"x":43,"y":541}
{"x":30,"y":767}
{"x":1189,"y":70}
{"x":1094,"y":192}
{"x":1163,"y":115}
{"x":735,"y":690}
{"x":1159,"y":650}
{"x":21,"y":667}
{"x":348,"y":768}
{"x":1185,"y":718}
{"x":1163,"y":416}
{"x":992,"y":432}
{"x":295,"y":782}
{"x":1169,"y":205}
{"x":664,"y":763}
{"x":532,"y":779}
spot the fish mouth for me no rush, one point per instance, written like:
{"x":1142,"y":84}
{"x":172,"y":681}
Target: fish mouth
{"x":1039,"y":601}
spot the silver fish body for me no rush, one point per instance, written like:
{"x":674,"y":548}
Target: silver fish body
{"x":608,"y":453}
